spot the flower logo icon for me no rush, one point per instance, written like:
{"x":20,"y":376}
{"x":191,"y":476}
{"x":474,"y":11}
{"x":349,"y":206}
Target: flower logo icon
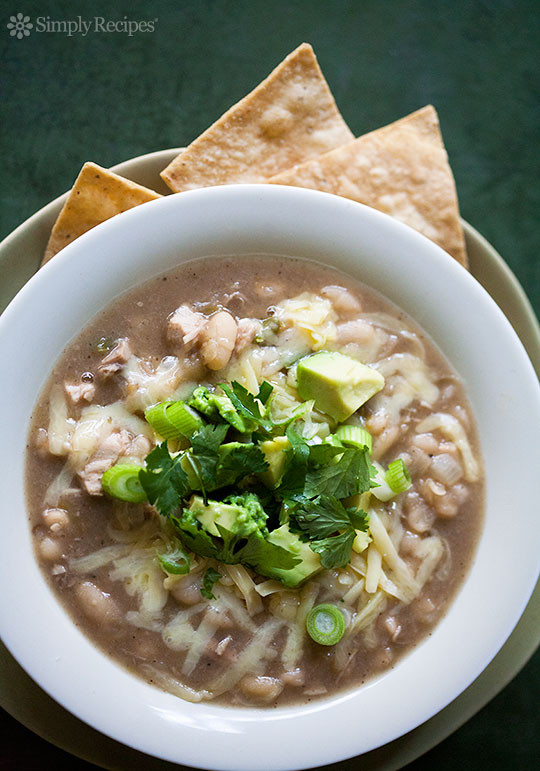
{"x":19,"y":26}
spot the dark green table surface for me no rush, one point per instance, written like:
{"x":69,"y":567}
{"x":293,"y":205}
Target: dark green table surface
{"x":108,"y":96}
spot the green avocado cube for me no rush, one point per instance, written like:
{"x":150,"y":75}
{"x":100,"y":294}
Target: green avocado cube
{"x":214,"y":513}
{"x":310,"y":562}
{"x":274,"y":455}
{"x":338,"y":383}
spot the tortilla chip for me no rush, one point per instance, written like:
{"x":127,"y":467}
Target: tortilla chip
{"x":290,"y":117}
{"x":401,"y":169}
{"x":97,"y":195}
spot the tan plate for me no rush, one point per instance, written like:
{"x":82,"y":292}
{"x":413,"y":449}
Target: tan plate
{"x":20,"y":255}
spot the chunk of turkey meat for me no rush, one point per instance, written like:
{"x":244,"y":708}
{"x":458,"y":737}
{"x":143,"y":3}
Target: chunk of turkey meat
{"x":115,"y":359}
{"x":185,"y":327}
{"x":80,"y":392}
{"x":246,"y":333}
{"x":119,"y":444}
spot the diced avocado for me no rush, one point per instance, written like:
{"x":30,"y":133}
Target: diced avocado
{"x":213,"y":404}
{"x":338,"y":384}
{"x":228,"y":412}
{"x":310,"y":562}
{"x":274,"y":455}
{"x":237,"y":519}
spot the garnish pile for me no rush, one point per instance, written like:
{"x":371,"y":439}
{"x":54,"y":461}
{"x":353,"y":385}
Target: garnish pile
{"x":241,"y":487}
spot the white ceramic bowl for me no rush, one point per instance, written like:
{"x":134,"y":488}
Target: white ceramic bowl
{"x":470,"y":330}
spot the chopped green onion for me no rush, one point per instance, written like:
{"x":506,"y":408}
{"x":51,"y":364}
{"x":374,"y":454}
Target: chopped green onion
{"x":122,"y":481}
{"x":173,"y":420}
{"x":175,"y":562}
{"x":325,"y":624}
{"x":157,"y":417}
{"x":355,"y":436}
{"x":398,"y":477}
{"x":333,"y":439}
{"x":381,"y":489}
{"x":184,"y":419}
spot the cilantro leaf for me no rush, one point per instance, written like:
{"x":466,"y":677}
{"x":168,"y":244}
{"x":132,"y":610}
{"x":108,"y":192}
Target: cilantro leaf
{"x":264,"y":391}
{"x":296,"y":465}
{"x":194,"y":537}
{"x":359,"y":519}
{"x":209,"y":579}
{"x":329,"y":527}
{"x":321,"y":454}
{"x":335,"y":552}
{"x":208,"y":439}
{"x":248,"y":405}
{"x":219,"y":408}
{"x":265,"y":556}
{"x":164,"y":480}
{"x":205,"y":456}
{"x":349,"y":476}
{"x":322,"y":517}
{"x":237,"y":462}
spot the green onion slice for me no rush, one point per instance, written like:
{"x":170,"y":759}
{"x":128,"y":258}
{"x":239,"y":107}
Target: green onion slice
{"x":398,"y":477}
{"x":173,"y":420}
{"x":355,"y":436}
{"x":175,"y":562}
{"x":325,"y":624}
{"x":157,"y":417}
{"x":122,"y":481}
{"x":184,"y":419}
{"x":380,"y":487}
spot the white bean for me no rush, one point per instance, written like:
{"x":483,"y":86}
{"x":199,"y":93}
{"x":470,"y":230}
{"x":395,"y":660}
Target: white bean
{"x":97,"y":605}
{"x":392,"y":627}
{"x":261,"y":688}
{"x":418,"y":460}
{"x":426,"y":442}
{"x":187,"y":593}
{"x":356,"y":331}
{"x":217,"y":617}
{"x":376,"y":424}
{"x":42,"y":441}
{"x":384,"y":441}
{"x":446,"y":468}
{"x":218,"y":339}
{"x":56,"y":518}
{"x":432,"y":490}
{"x":50,"y":549}
{"x":295,"y":677}
{"x":446,"y":507}
{"x":419,"y":516}
{"x":342,"y":300}
{"x":425,"y":610}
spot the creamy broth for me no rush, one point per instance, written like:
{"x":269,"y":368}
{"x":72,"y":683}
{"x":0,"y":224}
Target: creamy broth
{"x":100,"y":555}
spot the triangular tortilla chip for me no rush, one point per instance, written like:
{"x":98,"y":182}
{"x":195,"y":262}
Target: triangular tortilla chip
{"x":290,"y":117}
{"x":97,"y":195}
{"x":401,"y":169}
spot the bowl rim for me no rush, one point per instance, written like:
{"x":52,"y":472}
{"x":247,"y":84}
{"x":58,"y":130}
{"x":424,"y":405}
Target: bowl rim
{"x":105,"y":232}
{"x":501,"y":282}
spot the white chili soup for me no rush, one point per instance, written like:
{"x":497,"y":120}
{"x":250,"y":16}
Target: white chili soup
{"x":254,"y":480}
